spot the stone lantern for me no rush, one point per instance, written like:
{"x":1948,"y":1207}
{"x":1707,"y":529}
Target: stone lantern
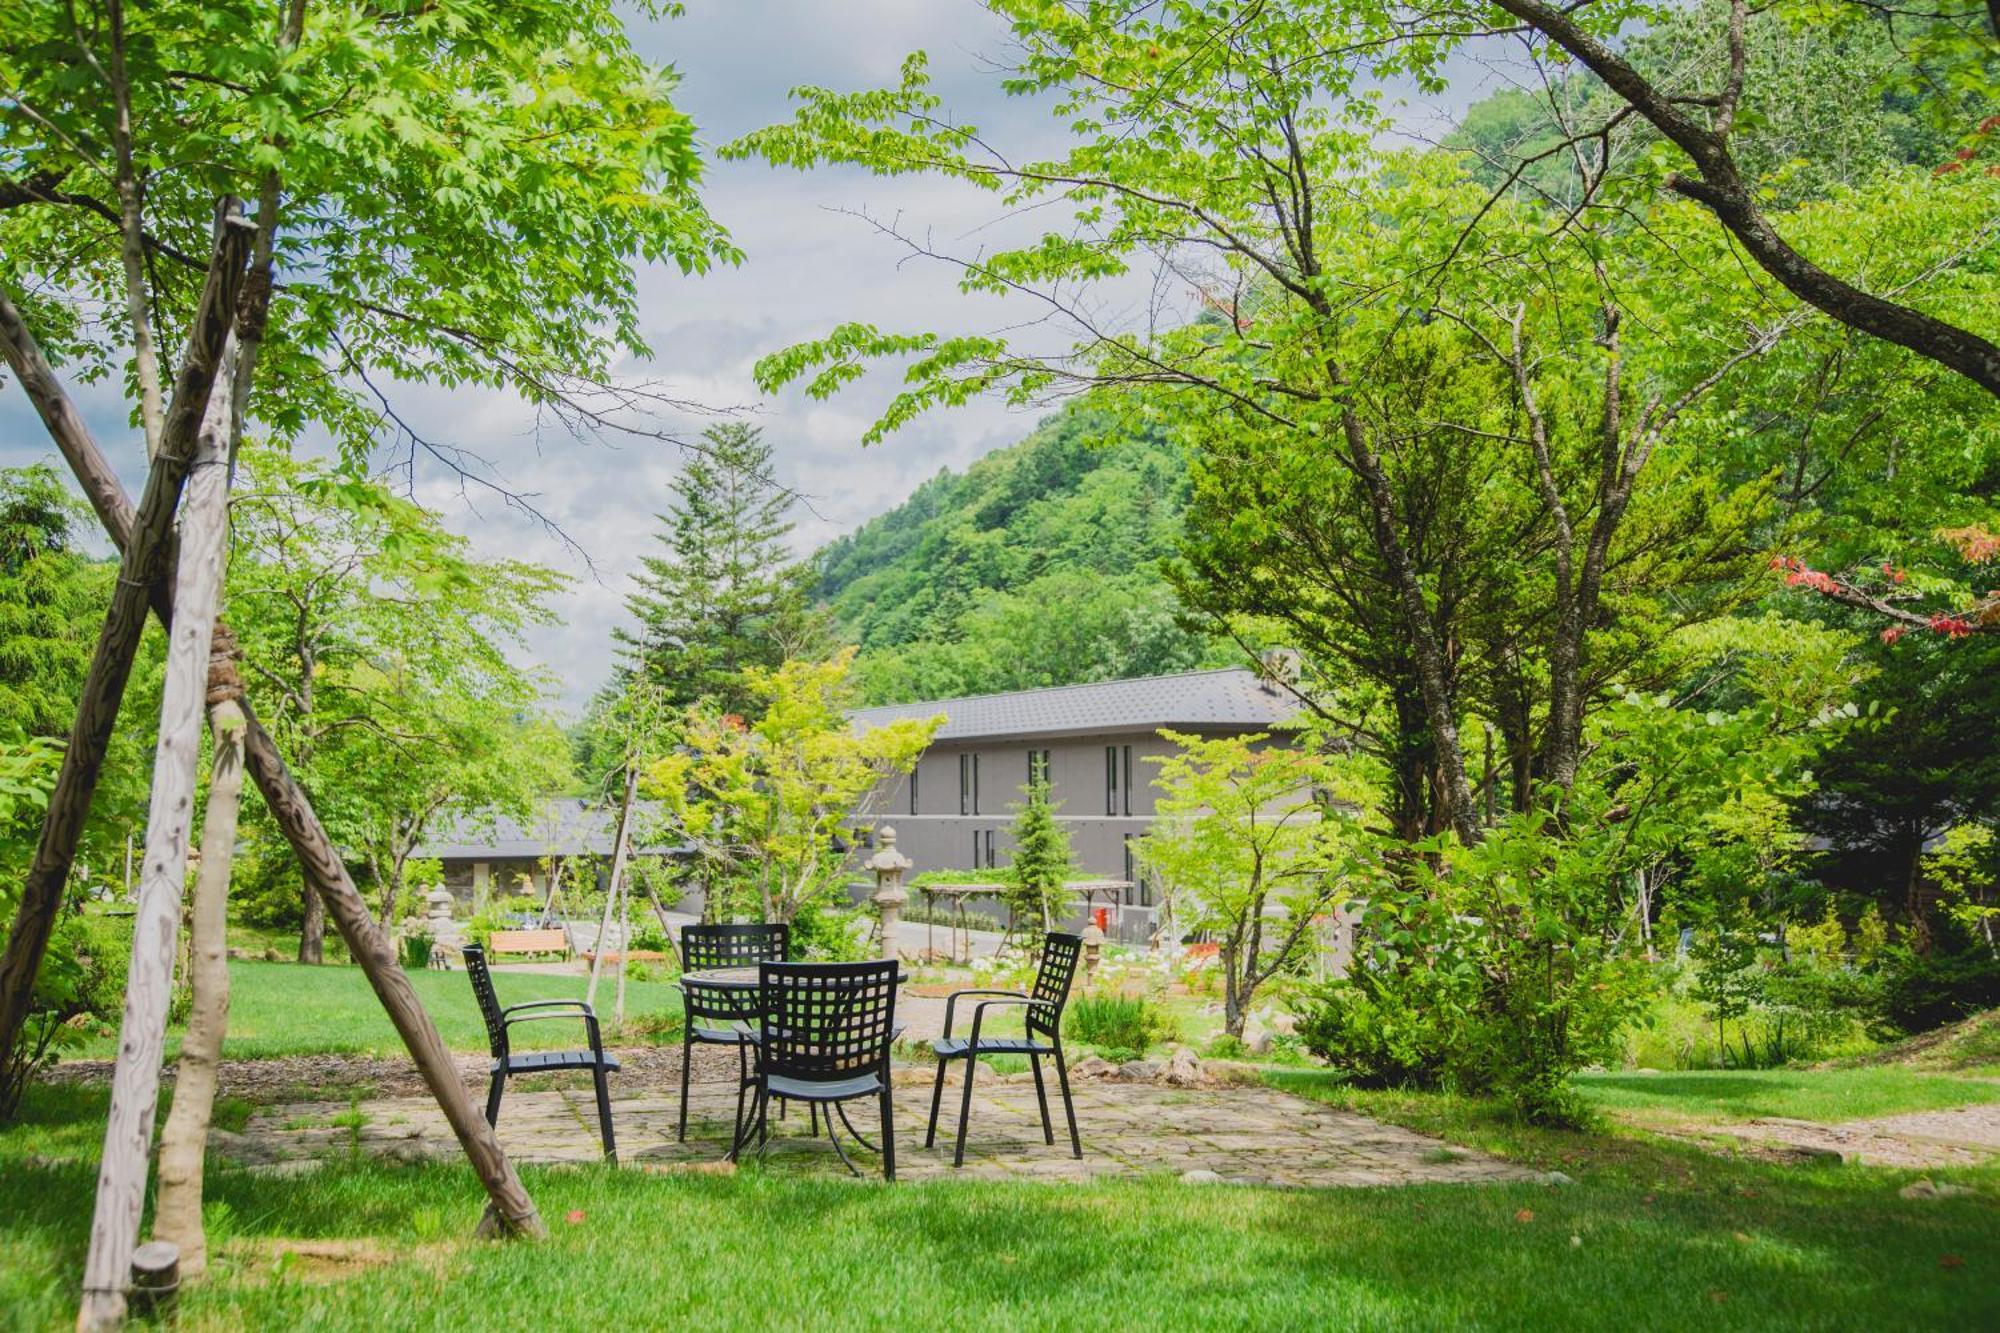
{"x":888,"y":866}
{"x":1093,"y":945}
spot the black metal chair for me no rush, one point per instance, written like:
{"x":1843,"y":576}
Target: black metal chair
{"x":824,"y":1039}
{"x":719,"y":1017}
{"x":1042,"y":1021}
{"x":507,"y":1063}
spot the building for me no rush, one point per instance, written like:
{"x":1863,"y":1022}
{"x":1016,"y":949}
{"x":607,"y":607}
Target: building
{"x":1093,"y":743}
{"x":499,"y":856}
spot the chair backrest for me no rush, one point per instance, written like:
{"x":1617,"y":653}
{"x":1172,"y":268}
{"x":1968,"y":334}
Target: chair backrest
{"x":734,"y":945}
{"x":1052,"y":980}
{"x":704,"y":947}
{"x":827,"y":1021}
{"x":489,"y":1003}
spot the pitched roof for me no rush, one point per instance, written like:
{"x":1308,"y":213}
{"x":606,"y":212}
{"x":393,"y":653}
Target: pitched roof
{"x":1231,"y":698}
{"x":560,"y":826}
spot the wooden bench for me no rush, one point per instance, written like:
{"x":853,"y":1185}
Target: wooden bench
{"x":528,"y":941}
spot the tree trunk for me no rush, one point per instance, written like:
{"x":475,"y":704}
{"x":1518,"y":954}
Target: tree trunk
{"x":617,"y":871}
{"x":312,"y":931}
{"x":146,"y":543}
{"x":135,"y":1080}
{"x":184,"y":1142}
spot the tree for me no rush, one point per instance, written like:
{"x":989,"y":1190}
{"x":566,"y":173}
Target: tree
{"x":724,"y":595}
{"x":769,"y":799}
{"x":1038,"y":878}
{"x":1252,"y":845}
{"x":445,"y":141}
{"x":382,"y":642}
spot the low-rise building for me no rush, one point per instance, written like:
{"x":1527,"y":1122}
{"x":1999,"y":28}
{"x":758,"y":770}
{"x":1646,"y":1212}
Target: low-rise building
{"x":1096,"y":745}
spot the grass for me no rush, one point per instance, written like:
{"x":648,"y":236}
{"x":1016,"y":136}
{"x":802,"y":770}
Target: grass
{"x":1652,"y":1233}
{"x":1720,"y":1096}
{"x":283,"y":1009}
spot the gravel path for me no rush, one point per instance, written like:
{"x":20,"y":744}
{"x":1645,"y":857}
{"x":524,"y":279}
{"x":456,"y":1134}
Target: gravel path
{"x":1962,"y":1136}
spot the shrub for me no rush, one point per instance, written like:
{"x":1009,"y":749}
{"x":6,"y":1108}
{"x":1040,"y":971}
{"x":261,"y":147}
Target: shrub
{"x":1921,"y":992}
{"x":1384,"y":1031}
{"x":417,"y":949}
{"x":1124,"y":1022}
{"x":79,"y":993}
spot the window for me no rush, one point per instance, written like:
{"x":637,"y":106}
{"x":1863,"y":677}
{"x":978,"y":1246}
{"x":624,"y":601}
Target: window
{"x":1126,"y":784}
{"x":975,"y":849}
{"x":914,"y":768}
{"x":975,"y":784}
{"x":1131,"y":869}
{"x":1110,"y":779}
{"x":990,"y":862}
{"x":965,"y":784}
{"x":1038,"y":768}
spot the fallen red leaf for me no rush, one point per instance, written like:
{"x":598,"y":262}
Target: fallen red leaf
{"x":1951,"y":1261}
{"x":1525,"y":1215}
{"x":573,"y":1216}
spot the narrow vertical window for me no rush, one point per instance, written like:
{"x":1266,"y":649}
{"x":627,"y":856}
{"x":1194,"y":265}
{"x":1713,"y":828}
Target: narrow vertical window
{"x":975,"y":784}
{"x":1038,"y":768}
{"x":965,"y":784}
{"x":1126,"y":784}
{"x":1131,"y":868}
{"x":1110,"y":779}
{"x":975,"y":849}
{"x":914,"y":769}
{"x":990,"y":862}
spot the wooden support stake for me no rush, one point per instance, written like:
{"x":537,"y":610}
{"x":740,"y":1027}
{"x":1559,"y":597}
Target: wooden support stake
{"x":617,"y":871}
{"x":142,"y":1033}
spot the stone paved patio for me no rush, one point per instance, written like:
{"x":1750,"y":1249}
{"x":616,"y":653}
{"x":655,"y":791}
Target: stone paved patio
{"x":1244,"y":1135}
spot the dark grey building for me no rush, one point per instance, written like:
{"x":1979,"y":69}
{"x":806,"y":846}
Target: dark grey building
{"x":1092,"y":741}
{"x":497,"y":855}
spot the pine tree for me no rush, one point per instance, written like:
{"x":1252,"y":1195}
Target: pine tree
{"x":1043,"y":863}
{"x":723,"y":593}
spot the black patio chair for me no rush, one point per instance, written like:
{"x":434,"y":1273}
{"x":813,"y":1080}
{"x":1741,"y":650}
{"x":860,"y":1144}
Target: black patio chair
{"x":824,"y":1039}
{"x":1042,"y":1021}
{"x":507,"y":1063}
{"x":719,"y":1017}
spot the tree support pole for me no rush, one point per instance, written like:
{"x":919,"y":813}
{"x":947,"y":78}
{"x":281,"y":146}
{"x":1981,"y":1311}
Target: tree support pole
{"x":142,"y":1033}
{"x":509,"y":1210}
{"x":617,"y":872}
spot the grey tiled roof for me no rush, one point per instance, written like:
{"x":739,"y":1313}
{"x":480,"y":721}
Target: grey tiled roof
{"x":1231,"y":698}
{"x":560,"y":826}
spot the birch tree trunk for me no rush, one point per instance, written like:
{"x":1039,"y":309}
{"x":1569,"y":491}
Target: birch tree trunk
{"x":617,"y":872}
{"x":135,"y":1080}
{"x":184,"y":1142}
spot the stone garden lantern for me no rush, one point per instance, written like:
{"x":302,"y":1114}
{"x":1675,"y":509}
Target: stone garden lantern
{"x":888,"y":866}
{"x":1093,"y":945}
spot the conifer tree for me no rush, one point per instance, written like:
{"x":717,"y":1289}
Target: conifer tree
{"x":723,"y":593}
{"x":1043,"y":864}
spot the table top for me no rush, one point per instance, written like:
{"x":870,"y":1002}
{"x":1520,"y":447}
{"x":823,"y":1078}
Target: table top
{"x":741,"y":978}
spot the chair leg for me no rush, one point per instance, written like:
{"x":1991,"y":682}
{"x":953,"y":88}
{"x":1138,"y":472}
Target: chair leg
{"x":1069,"y":1108}
{"x":965,"y":1109}
{"x":687,"y":1062}
{"x":1042,"y":1097}
{"x":888,"y":1131}
{"x":604,"y":1114}
{"x":937,"y":1095}
{"x":493,"y":1100}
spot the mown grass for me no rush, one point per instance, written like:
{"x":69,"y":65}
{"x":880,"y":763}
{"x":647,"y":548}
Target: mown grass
{"x":281,"y":1009}
{"x":1718,"y":1096}
{"x":1654,"y":1235}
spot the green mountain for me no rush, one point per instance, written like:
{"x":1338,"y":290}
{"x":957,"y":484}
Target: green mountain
{"x":1039,"y":565}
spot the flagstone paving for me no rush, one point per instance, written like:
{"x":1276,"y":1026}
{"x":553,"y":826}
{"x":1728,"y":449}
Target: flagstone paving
{"x":1243,"y":1135}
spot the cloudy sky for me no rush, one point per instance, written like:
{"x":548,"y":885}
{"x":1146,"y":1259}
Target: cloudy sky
{"x":810,"y":263}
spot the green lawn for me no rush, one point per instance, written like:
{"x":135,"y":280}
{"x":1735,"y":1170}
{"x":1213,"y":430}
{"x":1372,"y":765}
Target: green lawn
{"x":1717,"y":1096}
{"x":1652,"y":1234}
{"x":278,"y":1009}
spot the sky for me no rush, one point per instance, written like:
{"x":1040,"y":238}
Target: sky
{"x":810,"y":263}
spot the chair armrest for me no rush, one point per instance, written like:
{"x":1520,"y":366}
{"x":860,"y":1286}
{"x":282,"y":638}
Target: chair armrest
{"x":545,"y":1004}
{"x":979,"y":1013}
{"x":951,"y":1003}
{"x":582,"y":1011}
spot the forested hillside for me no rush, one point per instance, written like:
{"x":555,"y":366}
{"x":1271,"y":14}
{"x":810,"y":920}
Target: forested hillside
{"x":1037,"y":566}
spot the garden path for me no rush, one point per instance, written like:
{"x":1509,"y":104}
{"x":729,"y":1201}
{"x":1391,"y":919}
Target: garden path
{"x":1958,"y":1136}
{"x":1245,"y":1135}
